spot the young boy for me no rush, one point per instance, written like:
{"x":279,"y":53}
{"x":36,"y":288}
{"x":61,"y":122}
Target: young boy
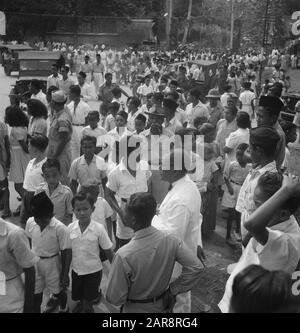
{"x":89,"y":169}
{"x":139,"y":124}
{"x":95,"y":130}
{"x":48,"y":238}
{"x":60,"y":195}
{"x":85,"y":237}
{"x":235,"y":176}
{"x":33,"y":174}
{"x":110,"y":121}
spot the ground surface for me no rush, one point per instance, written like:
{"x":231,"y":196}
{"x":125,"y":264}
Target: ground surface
{"x":219,"y":255}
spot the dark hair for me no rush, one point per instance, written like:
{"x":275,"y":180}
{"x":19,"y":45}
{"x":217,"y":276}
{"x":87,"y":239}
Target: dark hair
{"x":39,"y":141}
{"x":270,"y":183}
{"x":233,"y":109}
{"x":94,"y":114}
{"x":36,"y":84}
{"x":141,"y":117}
{"x":135,"y":101}
{"x":51,"y":163}
{"x":257,"y":290}
{"x":150,"y":95}
{"x":123,"y":114}
{"x":114,"y":106}
{"x":243,"y":120}
{"x":82,"y":74}
{"x":174,"y":95}
{"x":116,"y":91}
{"x":66,"y":68}
{"x":76,"y":90}
{"x":37,"y":109}
{"x":195,"y":92}
{"x":164,"y":79}
{"x":107,"y":75}
{"x":15,"y":117}
{"x":50,"y":90}
{"x":81,"y":196}
{"x":41,"y":206}
{"x":247,"y":85}
{"x":200,"y":121}
{"x":89,"y":139}
{"x":227,"y":88}
{"x":242,"y":147}
{"x":174,"y":83}
{"x":287,"y":126}
{"x":143,"y":207}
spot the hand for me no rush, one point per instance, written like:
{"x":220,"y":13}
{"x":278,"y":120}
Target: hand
{"x":200,"y":254}
{"x":65,"y":281}
{"x":169,"y":301}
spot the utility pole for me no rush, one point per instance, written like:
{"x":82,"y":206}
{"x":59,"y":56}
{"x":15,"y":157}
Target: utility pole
{"x":232,"y":24}
{"x":169,"y":11}
{"x":188,"y":19}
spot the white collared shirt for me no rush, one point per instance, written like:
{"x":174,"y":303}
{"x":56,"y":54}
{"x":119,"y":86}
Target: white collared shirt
{"x":280,"y":253}
{"x":48,"y":242}
{"x":179,"y":213}
{"x":33,"y":175}
{"x":200,"y":110}
{"x":79,"y":113}
{"x":41,"y":97}
{"x":171,"y":127}
{"x":86,"y":92}
{"x":245,"y":204}
{"x":102,"y":211}
{"x":99,"y":133}
{"x":86,"y":247}
{"x":53,"y":81}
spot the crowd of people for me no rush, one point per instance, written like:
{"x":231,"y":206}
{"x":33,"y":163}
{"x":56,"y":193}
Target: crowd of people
{"x":138,"y":182}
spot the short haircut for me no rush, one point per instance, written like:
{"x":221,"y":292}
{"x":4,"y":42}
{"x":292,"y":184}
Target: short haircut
{"x":114,"y":106}
{"x":195,"y":92}
{"x":41,"y":206}
{"x":36,"y":84}
{"x":247,"y":85}
{"x":135,"y":101}
{"x":66,"y":68}
{"x":227,"y":88}
{"x":143,"y":207}
{"x":76,"y":90}
{"x":164,"y":79}
{"x":174,"y":95}
{"x":116,"y":91}
{"x":89,"y":139}
{"x":51,"y":163}
{"x":82,"y":74}
{"x":107,"y":75}
{"x":242,"y":147}
{"x":15,"y":117}
{"x":142,"y":118}
{"x":150,"y":95}
{"x":270,"y":183}
{"x":123,"y":114}
{"x":82,"y":196}
{"x":174,"y":83}
{"x":94,"y":114}
{"x":39,"y":141}
{"x":37,"y":109}
{"x":243,"y":120}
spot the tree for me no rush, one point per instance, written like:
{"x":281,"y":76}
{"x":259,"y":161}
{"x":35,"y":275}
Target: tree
{"x":187,"y":25}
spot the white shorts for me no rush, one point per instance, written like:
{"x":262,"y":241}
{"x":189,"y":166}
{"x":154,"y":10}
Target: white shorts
{"x":48,"y":275}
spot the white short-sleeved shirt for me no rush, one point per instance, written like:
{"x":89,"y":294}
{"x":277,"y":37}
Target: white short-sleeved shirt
{"x":124,"y":185}
{"x":246,"y":98}
{"x":33,"y":175}
{"x":280,"y":253}
{"x":86,"y":247}
{"x":79,"y":113}
{"x":234,"y":140}
{"x":102,"y":211}
{"x":99,"y":133}
{"x":144,"y":90}
{"x":48,"y":242}
{"x":200,"y":110}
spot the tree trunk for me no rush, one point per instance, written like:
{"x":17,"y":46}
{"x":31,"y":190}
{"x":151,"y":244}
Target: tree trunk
{"x":187,"y":25}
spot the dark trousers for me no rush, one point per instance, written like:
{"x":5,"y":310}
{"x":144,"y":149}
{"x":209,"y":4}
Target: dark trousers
{"x":25,"y":207}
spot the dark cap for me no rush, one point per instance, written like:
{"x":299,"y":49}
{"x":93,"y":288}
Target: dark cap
{"x":271,"y":102}
{"x":265,"y":137}
{"x":41,"y":206}
{"x":170,"y":104}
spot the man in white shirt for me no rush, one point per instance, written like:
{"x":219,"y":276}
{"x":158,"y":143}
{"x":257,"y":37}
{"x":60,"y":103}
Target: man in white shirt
{"x":36,"y":91}
{"x":65,"y":82}
{"x":79,"y":111}
{"x":97,"y":73}
{"x":54,"y":78}
{"x":195,"y":109}
{"x":263,"y":141}
{"x":179,"y":213}
{"x":86,"y":89}
{"x":171,"y":124}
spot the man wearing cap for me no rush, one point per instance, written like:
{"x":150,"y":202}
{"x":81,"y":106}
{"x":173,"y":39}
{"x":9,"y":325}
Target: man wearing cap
{"x":214,"y":108}
{"x":263,"y":142}
{"x":179,"y":214}
{"x":267,"y":115}
{"x":60,"y":133}
{"x":171,"y":124}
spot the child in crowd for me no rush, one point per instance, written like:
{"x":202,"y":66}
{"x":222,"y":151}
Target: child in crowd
{"x":234,"y":176}
{"x":49,"y":239}
{"x":208,"y":188}
{"x":89,"y":169}
{"x":33,"y":174}
{"x":140,"y":124}
{"x":95,"y":130}
{"x":145,"y":89}
{"x":290,"y":131}
{"x":60,"y":195}
{"x":4,"y":167}
{"x":85,"y":237}
{"x":110,"y":121}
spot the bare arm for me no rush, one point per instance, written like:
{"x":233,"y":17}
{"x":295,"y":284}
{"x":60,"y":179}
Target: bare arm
{"x":109,"y":254}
